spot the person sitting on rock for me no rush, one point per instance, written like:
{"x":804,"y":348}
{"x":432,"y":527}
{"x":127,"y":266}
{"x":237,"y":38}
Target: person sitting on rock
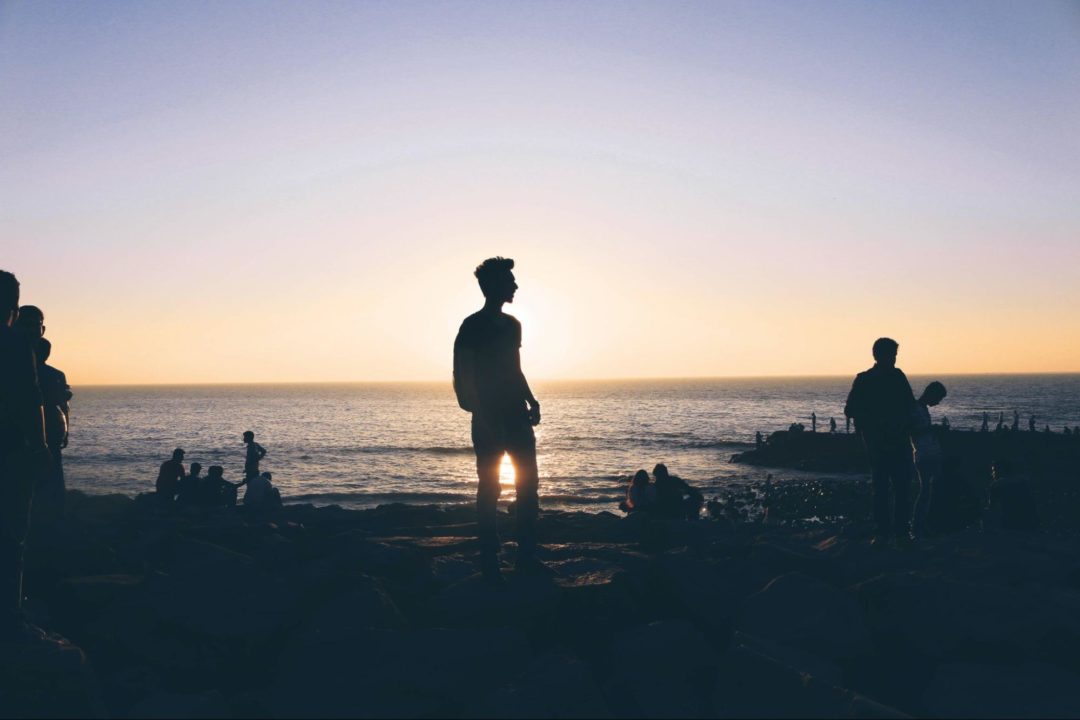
{"x":169,"y":477}
{"x":640,"y":495}
{"x":1011,"y":504}
{"x":261,"y":494}
{"x":675,"y":497}
{"x":189,"y":486}
{"x":215,"y":490}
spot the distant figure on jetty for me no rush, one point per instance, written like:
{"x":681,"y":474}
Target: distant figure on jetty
{"x":1011,"y":504}
{"x":675,"y":497}
{"x":215,"y":490}
{"x":55,"y":393}
{"x":640,"y":494}
{"x":489,"y":383}
{"x":1016,"y":422}
{"x":1001,"y":423}
{"x":759,"y":442}
{"x":880,"y":403}
{"x":813,"y":422}
{"x":189,"y":486}
{"x":986,"y":423}
{"x":169,"y":477}
{"x":1031,"y":424}
{"x":24,"y":456}
{"x":255,"y":453}
{"x":832,"y":426}
{"x":926,"y":452}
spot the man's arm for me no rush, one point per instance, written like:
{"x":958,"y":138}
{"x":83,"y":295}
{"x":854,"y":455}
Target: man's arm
{"x":534,"y":404}
{"x":465,"y":375}
{"x":261,"y":450}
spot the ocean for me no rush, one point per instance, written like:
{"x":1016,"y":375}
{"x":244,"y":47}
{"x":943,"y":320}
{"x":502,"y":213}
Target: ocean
{"x":363,"y":444}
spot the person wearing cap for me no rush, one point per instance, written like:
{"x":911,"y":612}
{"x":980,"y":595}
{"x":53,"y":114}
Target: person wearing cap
{"x":169,"y":477}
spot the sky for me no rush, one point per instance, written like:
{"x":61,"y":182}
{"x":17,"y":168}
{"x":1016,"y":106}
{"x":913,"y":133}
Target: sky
{"x":288,"y":192}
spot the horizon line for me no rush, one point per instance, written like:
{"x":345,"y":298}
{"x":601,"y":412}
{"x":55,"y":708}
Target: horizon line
{"x":641,"y":378}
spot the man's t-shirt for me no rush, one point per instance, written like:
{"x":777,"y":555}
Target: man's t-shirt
{"x":881,"y":403}
{"x":495,"y":341}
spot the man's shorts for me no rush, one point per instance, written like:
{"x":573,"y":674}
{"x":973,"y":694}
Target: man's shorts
{"x":493,"y":438}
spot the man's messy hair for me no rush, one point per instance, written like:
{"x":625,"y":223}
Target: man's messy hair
{"x":488,"y":272}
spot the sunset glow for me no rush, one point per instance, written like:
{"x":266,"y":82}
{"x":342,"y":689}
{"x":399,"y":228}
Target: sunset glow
{"x":226,"y":193}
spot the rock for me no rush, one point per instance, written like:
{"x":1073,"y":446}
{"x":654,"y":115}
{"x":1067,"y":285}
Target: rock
{"x":1003,"y":691}
{"x":950,"y":619}
{"x":808,"y":615}
{"x":78,"y":600}
{"x":47,"y":678}
{"x":661,"y":669}
{"x":208,"y":704}
{"x":382,"y":673}
{"x":707,"y":592}
{"x":752,"y":684}
{"x":363,"y":606}
{"x":520,"y":602}
{"x":553,"y":686}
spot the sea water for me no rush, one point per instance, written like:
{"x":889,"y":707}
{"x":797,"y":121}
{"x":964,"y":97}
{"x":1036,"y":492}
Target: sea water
{"x":360,"y":445}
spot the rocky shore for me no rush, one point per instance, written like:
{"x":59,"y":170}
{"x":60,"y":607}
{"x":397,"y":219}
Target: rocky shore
{"x":325,"y":612}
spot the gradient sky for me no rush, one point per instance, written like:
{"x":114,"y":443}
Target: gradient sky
{"x":222,"y":192}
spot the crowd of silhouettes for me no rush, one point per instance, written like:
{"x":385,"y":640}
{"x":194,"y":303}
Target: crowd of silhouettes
{"x":666,"y":495}
{"x":34,"y":423}
{"x":175,"y":486}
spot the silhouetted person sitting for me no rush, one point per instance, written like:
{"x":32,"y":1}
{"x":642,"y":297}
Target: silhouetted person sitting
{"x":215,"y":490}
{"x":926,"y":451}
{"x":880,"y":403}
{"x":640,"y":494}
{"x":489,"y":383}
{"x":169,"y":477}
{"x":1011,"y":505}
{"x":261,"y":494}
{"x":675,"y":497}
{"x":189,"y":486}
{"x":50,"y":493}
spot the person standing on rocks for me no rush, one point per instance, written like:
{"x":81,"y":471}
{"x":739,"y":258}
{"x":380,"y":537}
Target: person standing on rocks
{"x":56,"y":395}
{"x":255,"y":452}
{"x":490,"y":384}
{"x":24,"y":456}
{"x":881,"y":403}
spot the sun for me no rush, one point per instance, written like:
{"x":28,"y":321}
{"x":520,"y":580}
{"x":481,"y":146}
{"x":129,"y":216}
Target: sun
{"x":506,"y":470}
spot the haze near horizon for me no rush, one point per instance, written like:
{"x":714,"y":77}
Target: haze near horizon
{"x":281,"y":192}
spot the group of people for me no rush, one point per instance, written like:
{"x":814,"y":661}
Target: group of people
{"x":669,"y":496}
{"x":1015,"y":427}
{"x":177,"y":486}
{"x":34,"y":411}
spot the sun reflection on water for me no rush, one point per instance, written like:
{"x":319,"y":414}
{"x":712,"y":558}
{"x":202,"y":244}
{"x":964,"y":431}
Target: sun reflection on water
{"x":506,"y":470}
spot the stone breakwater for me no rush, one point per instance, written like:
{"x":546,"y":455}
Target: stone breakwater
{"x":324,"y":612}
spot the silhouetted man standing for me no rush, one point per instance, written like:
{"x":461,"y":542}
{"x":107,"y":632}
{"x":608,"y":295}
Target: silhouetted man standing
{"x":56,"y":395}
{"x":24,"y":455}
{"x":489,"y":384}
{"x":881,"y":404}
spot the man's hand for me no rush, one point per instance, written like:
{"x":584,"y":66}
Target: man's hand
{"x":534,"y":413}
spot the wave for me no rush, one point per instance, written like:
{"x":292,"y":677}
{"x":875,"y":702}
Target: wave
{"x":392,"y":449}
